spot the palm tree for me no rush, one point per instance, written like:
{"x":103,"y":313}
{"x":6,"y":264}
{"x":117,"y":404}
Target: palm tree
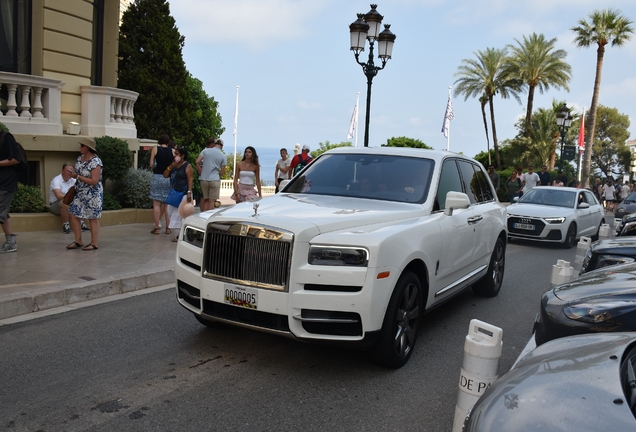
{"x":607,"y":26}
{"x":486,"y":75}
{"x":539,"y":66}
{"x":483,"y":100}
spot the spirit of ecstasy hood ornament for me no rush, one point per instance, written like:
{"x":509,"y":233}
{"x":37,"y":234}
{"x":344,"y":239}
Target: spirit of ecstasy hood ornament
{"x":255,"y":207}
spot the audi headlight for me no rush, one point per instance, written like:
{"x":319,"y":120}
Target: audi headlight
{"x":610,"y":260}
{"x":599,"y":312}
{"x":194,"y":236}
{"x":338,"y":256}
{"x":554,"y":220}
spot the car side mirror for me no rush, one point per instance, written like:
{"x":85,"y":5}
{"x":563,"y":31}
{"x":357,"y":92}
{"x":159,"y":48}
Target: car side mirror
{"x":584,"y":205}
{"x":455,"y":200}
{"x":282,"y":184}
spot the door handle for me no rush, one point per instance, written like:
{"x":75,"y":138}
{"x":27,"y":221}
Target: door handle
{"x":475,"y":219}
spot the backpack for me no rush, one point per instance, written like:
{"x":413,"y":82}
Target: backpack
{"x":23,"y":165}
{"x":302,"y":164}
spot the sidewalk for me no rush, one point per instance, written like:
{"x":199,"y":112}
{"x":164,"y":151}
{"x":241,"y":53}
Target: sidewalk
{"x":43,"y":274}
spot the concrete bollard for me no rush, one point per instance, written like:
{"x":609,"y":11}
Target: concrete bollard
{"x":604,"y":231}
{"x":562,"y":272}
{"x":581,"y":248}
{"x":482,"y":350}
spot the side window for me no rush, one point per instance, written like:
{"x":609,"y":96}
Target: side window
{"x":471,"y":182}
{"x":448,"y":181}
{"x":589,"y":196}
{"x":486,"y":190}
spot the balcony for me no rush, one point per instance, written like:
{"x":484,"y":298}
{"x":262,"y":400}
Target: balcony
{"x":108,"y":111}
{"x":32,"y":105}
{"x":39,"y":110}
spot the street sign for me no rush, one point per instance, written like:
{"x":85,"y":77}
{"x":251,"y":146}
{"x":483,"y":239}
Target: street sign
{"x":569,"y":153}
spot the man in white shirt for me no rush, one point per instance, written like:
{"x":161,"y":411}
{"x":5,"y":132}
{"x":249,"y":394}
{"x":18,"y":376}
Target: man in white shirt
{"x":60,"y":184}
{"x":282,"y":168}
{"x":211,"y":167}
{"x":530,"y":180}
{"x":609,"y":193}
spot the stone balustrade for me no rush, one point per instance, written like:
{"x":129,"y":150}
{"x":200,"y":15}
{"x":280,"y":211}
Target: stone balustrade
{"x":39,"y":100}
{"x":108,"y":111}
{"x":227,"y":188}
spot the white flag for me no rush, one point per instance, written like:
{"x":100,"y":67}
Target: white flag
{"x":448,"y":116}
{"x":353,"y":126}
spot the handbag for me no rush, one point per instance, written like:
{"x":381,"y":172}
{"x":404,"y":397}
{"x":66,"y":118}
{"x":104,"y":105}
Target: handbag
{"x":174,"y":197}
{"x":68,"y":197}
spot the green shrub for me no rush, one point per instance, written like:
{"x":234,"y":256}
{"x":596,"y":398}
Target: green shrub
{"x":115,"y":155}
{"x":28,"y":199}
{"x":134,"y":189}
{"x":3,"y":128}
{"x":110,"y":202}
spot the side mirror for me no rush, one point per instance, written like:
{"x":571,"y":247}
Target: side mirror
{"x":515,"y":199}
{"x":584,"y":205}
{"x":282,"y":185}
{"x":455,"y":200}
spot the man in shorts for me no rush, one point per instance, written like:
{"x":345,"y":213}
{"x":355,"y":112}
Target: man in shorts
{"x":283,"y":169}
{"x":9,"y":160}
{"x":60,"y":184}
{"x":211,"y":167}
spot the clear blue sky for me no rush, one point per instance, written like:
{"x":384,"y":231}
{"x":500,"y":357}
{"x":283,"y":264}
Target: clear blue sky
{"x":298,"y":79}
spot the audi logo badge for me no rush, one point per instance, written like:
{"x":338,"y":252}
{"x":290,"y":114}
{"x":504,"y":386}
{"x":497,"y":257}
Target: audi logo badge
{"x":525,"y":221}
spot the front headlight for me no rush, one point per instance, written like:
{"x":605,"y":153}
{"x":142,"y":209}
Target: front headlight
{"x":610,"y":260}
{"x":554,"y":220}
{"x":338,"y":256}
{"x":194,"y":236}
{"x":592,"y":312}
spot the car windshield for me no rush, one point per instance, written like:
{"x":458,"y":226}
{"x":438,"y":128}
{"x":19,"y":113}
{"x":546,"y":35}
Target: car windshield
{"x":383,"y":177}
{"x":631,"y":198}
{"x":549,"y":197}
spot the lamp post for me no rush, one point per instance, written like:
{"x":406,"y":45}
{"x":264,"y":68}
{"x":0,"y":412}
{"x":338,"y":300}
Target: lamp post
{"x":367,"y":27}
{"x":563,"y":121}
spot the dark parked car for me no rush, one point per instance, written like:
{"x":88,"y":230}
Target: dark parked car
{"x":597,"y":302}
{"x":579,"y":383}
{"x":627,"y":225}
{"x":609,"y":252}
{"x":627,"y":206}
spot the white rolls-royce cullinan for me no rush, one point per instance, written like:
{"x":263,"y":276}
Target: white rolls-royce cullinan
{"x":354,"y":249}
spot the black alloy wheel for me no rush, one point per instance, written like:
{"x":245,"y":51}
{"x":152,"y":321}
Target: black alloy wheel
{"x":570,"y":237}
{"x":490,"y":284}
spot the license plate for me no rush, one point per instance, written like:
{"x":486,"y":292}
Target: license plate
{"x":524,"y":226}
{"x":241,"y":296}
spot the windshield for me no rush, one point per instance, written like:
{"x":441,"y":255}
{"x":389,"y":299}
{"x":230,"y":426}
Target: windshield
{"x":549,"y":197}
{"x":631,"y":198}
{"x":383,"y":177}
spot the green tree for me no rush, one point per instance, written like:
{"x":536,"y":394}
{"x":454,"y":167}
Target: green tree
{"x":323,"y":147}
{"x":206,"y":121}
{"x":487,"y":75}
{"x":610,"y":154}
{"x":536,"y":63}
{"x":115,"y":156}
{"x":151,"y":63}
{"x":607,"y":26}
{"x":406,"y":142}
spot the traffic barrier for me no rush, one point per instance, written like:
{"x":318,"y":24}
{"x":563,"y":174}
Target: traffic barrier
{"x":482,"y":350}
{"x":562,"y":272}
{"x":581,"y":248}
{"x":604,"y":231}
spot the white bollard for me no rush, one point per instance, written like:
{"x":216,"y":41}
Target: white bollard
{"x":562,"y":272}
{"x":604,"y":231}
{"x":482,"y":350}
{"x":581,"y":248}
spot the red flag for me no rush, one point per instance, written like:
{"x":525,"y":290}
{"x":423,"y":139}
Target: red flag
{"x":581,"y":140}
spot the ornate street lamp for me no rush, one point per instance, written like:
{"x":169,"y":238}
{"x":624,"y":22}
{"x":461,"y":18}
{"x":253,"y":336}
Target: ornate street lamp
{"x":563,"y":121}
{"x":367,"y":26}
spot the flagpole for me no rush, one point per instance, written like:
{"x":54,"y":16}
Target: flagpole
{"x":448,"y":137}
{"x":235,"y":130}
{"x":357,"y":116}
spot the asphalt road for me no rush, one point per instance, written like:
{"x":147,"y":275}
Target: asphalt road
{"x":146,"y":364}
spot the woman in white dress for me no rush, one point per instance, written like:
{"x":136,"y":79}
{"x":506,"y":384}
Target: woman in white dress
{"x":248,"y":177}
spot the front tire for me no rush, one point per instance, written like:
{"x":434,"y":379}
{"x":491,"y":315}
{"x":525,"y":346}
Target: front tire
{"x":598,"y":231}
{"x":570,"y":237}
{"x":490,"y":284}
{"x":401,"y":323}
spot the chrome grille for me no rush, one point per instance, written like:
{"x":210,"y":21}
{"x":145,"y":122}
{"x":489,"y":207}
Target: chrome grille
{"x":248,"y":254}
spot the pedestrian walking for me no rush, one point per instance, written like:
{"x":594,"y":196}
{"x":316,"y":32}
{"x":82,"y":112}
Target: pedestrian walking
{"x":160,"y":157}
{"x":210,"y":166}
{"x":9,"y":160}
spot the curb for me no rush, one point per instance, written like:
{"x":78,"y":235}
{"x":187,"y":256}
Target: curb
{"x":53,"y":297}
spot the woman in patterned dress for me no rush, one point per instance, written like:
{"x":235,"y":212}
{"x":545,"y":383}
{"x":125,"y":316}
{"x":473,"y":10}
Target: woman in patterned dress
{"x":160,"y":157}
{"x":89,"y":195}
